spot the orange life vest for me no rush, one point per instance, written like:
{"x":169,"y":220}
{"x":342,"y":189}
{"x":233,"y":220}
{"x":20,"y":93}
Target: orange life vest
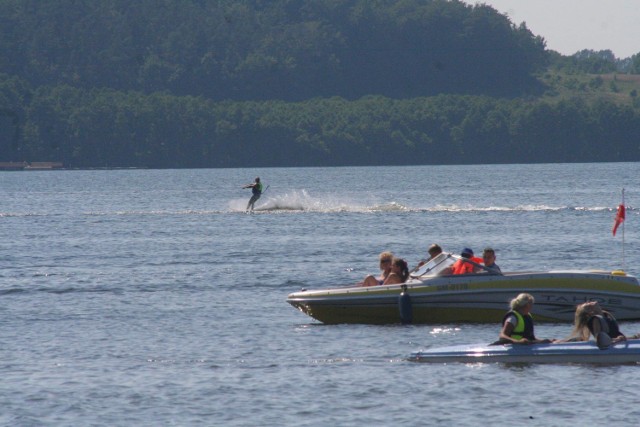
{"x":462,"y":267}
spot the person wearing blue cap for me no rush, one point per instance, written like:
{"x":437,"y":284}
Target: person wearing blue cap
{"x":463,"y":267}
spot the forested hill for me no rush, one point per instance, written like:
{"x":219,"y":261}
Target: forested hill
{"x":193,"y":83}
{"x":276,"y":49}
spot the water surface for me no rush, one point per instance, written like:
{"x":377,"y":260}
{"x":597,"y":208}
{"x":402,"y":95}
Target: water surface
{"x":149,"y":297}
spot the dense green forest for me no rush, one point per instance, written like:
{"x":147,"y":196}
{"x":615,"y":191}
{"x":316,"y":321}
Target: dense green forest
{"x":229,"y":83}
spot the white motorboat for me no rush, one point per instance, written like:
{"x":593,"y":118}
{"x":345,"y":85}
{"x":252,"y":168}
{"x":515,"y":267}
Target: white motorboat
{"x":433,"y":295}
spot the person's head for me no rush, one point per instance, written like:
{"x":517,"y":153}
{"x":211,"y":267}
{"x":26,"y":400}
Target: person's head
{"x":257,"y":179}
{"x":522,"y":303}
{"x":386,"y":259}
{"x":489,"y":256}
{"x":400,"y":267}
{"x":434,"y":250}
{"x":466,"y":253}
{"x":584,"y":312}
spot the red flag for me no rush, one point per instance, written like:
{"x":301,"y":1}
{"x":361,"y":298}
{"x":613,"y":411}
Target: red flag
{"x":619,"y":218}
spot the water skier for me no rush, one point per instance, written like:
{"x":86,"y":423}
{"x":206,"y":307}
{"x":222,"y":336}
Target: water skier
{"x":256,"y":189}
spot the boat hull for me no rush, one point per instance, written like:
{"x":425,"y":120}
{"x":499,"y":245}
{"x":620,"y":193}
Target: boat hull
{"x":576,"y":352}
{"x":474,"y":298}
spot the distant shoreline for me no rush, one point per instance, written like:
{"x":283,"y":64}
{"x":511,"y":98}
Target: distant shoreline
{"x":51,"y":166}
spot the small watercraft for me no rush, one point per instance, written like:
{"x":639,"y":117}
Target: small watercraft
{"x":434,"y":295}
{"x":571,"y":352}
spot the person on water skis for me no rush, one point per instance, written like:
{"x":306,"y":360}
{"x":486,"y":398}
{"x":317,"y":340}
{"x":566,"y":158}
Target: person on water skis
{"x":256,"y":189}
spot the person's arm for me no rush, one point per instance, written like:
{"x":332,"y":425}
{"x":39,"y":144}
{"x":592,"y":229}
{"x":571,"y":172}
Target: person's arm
{"x":594,"y":326}
{"x":616,"y":330}
{"x":369,"y":281}
{"x":392,"y":279}
{"x":619,"y":338}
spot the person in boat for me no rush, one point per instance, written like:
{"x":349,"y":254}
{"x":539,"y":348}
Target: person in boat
{"x":591,"y":319}
{"x":433,"y":251}
{"x":517,"y":324}
{"x":489,"y":260}
{"x":386,"y":262}
{"x":256,"y":189}
{"x":463,"y":267}
{"x":399,"y":272}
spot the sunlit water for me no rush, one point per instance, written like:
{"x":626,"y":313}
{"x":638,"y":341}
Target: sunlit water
{"x":145,"y":297}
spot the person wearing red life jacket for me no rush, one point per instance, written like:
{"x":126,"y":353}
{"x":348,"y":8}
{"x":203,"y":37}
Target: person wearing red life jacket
{"x":462,"y":267}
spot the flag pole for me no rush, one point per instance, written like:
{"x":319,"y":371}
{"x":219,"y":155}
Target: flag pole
{"x":623,"y":231}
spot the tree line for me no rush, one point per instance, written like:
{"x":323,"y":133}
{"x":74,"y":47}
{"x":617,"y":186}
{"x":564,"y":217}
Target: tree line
{"x":231,"y":83}
{"x":595,"y":62}
{"x":108,"y":128}
{"x":277,"y":49}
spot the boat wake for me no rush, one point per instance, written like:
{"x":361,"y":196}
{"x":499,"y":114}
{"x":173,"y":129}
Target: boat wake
{"x":519,"y":208}
{"x":302,"y":201}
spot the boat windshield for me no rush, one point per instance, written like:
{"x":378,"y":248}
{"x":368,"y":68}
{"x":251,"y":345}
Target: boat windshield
{"x":435,"y":266}
{"x":441,"y":266}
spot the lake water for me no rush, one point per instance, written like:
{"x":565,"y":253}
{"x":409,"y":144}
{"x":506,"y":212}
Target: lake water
{"x":148,"y":297}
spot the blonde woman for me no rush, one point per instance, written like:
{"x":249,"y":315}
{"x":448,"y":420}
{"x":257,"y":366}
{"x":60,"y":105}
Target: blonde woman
{"x":517,"y":324}
{"x":591,"y":319}
{"x":386,"y":259}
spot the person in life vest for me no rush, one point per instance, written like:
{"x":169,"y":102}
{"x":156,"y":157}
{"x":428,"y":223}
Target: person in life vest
{"x":591,"y":319}
{"x":463,"y":267}
{"x":517,"y":324}
{"x":256,"y":189}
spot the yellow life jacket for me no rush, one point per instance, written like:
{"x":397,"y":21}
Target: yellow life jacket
{"x":523,"y":328}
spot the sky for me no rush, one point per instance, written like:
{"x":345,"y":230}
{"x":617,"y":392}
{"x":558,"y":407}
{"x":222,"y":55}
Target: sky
{"x":569,"y":26}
